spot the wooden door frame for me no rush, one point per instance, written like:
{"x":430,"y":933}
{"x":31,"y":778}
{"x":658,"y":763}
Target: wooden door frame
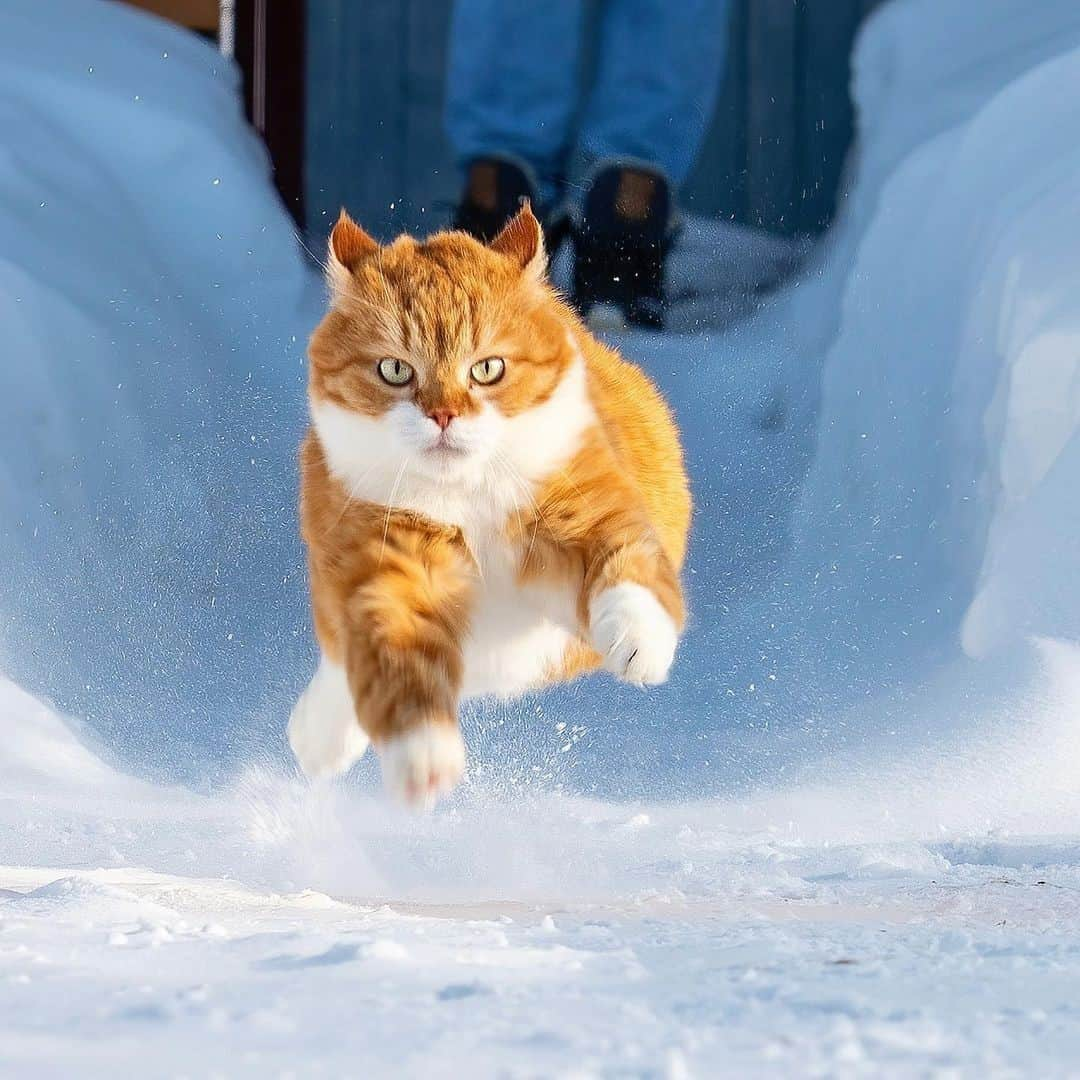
{"x":270,"y":48}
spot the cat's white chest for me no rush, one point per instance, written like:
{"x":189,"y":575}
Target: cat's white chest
{"x":518,"y":632}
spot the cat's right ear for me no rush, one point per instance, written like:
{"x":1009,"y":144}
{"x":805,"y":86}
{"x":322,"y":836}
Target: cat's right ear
{"x":349,"y":246}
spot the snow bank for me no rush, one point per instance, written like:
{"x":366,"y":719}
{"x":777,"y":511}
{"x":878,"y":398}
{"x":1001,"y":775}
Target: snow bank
{"x":155,"y":306}
{"x":949,"y":430}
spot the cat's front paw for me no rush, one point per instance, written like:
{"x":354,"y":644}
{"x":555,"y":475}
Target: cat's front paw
{"x":633,"y":633}
{"x":324,"y":733}
{"x":425,"y":762}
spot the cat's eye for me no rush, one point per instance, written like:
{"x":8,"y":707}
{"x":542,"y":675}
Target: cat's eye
{"x":395,"y":372}
{"x":486,"y":372}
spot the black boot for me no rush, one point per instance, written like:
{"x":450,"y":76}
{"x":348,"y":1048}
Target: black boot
{"x":621,"y":242}
{"x":494,"y":190}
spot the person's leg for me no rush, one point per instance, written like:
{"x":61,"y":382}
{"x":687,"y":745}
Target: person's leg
{"x":656,"y":82}
{"x":512,"y":82}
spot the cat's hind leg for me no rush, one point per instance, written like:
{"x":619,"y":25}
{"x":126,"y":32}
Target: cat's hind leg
{"x":324,"y":733}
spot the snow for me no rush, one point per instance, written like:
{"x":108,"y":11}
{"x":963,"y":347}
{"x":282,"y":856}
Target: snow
{"x":845,"y":840}
{"x":313,"y":930}
{"x":976,"y":361}
{"x":155,"y":306}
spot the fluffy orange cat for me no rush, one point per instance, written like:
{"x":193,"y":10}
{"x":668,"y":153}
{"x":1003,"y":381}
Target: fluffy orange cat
{"x":491,"y":500}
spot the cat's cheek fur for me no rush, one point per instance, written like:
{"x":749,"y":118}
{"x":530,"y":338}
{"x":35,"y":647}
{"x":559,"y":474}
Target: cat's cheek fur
{"x":324,"y":733}
{"x":362,"y":450}
{"x":633,"y":633}
{"x":540,"y":440}
{"x":424,"y":763}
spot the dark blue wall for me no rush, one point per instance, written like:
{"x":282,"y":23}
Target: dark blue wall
{"x":772,"y":158}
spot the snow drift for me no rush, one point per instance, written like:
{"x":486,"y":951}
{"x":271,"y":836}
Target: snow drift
{"x":945,"y":474}
{"x":155,"y":305}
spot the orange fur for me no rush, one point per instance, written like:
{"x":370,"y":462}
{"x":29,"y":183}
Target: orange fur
{"x":399,"y":572}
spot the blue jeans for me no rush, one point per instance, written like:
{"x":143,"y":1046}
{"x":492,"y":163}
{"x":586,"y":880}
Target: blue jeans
{"x":515,"y":69}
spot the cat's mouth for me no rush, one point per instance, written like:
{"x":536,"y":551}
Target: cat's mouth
{"x":443,"y":449}
{"x":444,"y":444}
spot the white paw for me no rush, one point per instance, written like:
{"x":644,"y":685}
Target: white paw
{"x":324,"y":733}
{"x":633,"y":633}
{"x":423,"y":764}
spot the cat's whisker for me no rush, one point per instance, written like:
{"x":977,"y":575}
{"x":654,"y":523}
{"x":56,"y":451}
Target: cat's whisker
{"x":523,"y":485}
{"x":357,"y":486}
{"x":321,"y":263}
{"x":476,"y":559}
{"x":350,"y":500}
{"x":352,"y":496}
{"x":565,"y":474}
{"x":525,"y":488}
{"x":507,"y":474}
{"x":390,"y":507}
{"x":517,"y":508}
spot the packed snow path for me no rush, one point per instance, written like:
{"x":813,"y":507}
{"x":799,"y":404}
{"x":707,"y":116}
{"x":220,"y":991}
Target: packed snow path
{"x":539,"y":936}
{"x":970,"y":973}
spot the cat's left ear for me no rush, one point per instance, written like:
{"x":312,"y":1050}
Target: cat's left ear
{"x":349,"y":246}
{"x":522,"y":240}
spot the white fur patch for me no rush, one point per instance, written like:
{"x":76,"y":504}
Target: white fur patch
{"x":517,"y":633}
{"x":423,"y":764}
{"x":633,"y":633}
{"x":539,"y":441}
{"x":324,"y":733}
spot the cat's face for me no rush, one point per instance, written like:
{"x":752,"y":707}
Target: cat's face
{"x":445,"y":360}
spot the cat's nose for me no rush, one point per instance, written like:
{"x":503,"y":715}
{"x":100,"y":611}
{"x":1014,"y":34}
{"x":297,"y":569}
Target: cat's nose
{"x":442,"y":417}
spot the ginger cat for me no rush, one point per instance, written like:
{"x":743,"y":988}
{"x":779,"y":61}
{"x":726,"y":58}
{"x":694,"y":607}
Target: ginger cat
{"x":491,"y":501}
